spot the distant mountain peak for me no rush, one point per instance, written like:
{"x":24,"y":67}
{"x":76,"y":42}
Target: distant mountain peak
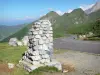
{"x":94,"y":8}
{"x":50,"y":15}
{"x":77,"y":10}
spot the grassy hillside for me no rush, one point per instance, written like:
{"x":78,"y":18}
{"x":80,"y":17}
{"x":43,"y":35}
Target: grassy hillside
{"x":94,"y":16}
{"x":52,"y":16}
{"x":80,"y":29}
{"x":19,"y":34}
{"x":76,"y":22}
{"x":85,"y":28}
{"x":75,"y":18}
{"x":5,"y":31}
{"x":9,"y":54}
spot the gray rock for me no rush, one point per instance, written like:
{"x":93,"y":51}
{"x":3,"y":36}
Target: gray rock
{"x":40,"y":32}
{"x":35,"y":32}
{"x":42,"y":61}
{"x":45,"y":56}
{"x":35,"y":62}
{"x":35,"y":53}
{"x":25,"y":40}
{"x":37,"y":36}
{"x":36,"y":58}
{"x":55,"y":64}
{"x":45,"y":47}
{"x":41,"y":41}
{"x":42,"y":52}
{"x":13,"y":42}
{"x":40,"y":47}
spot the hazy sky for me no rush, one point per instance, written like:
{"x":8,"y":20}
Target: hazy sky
{"x":12,"y":10}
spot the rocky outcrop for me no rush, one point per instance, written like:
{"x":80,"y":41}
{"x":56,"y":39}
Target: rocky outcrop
{"x":19,"y":43}
{"x":13,"y":42}
{"x":25,"y":40}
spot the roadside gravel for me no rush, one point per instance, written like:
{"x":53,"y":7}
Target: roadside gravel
{"x":84,"y":63}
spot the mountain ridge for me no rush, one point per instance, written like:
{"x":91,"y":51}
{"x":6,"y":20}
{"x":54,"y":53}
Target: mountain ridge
{"x":61,"y":24}
{"x":94,"y":8}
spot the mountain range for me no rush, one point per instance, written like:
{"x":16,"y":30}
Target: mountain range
{"x":77,"y":21}
{"x":94,"y":8}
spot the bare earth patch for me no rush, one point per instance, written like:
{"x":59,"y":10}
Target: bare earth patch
{"x":4,"y":70}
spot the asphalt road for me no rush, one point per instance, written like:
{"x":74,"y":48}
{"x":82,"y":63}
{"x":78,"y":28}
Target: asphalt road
{"x":71,"y":44}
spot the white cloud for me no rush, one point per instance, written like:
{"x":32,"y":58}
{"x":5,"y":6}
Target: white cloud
{"x":42,"y":15}
{"x":28,"y":17}
{"x":50,"y":9}
{"x":59,"y":12}
{"x":25,"y":18}
{"x":85,"y":7}
{"x":69,"y":11}
{"x":45,"y":9}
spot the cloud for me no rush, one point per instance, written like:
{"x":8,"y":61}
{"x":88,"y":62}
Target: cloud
{"x":50,"y":9}
{"x":28,"y":17}
{"x":85,"y":7}
{"x":42,"y":15}
{"x":45,"y":9}
{"x":25,"y":18}
{"x":59,"y":12}
{"x":69,"y":11}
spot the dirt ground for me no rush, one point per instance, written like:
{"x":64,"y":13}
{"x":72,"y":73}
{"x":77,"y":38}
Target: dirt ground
{"x":4,"y":70}
{"x":84,"y":63}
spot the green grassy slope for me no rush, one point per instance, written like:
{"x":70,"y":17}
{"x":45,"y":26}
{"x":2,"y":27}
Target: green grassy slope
{"x":75,"y":18}
{"x":85,"y":28}
{"x":94,"y":16}
{"x":21,"y":33}
{"x":52,"y":16}
{"x":76,"y":22}
{"x":5,"y":31}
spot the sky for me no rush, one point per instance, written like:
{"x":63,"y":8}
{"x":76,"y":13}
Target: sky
{"x":14,"y":12}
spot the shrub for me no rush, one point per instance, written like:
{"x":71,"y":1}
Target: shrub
{"x":40,"y":70}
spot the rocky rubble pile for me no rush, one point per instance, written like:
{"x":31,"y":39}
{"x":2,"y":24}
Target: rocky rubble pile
{"x":15,"y":42}
{"x":40,"y":46}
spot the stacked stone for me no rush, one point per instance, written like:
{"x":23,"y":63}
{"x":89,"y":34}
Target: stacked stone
{"x":40,"y":45}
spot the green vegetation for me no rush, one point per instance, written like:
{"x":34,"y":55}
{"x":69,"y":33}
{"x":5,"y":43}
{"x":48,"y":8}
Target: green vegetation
{"x":13,"y":54}
{"x":76,"y":22}
{"x":9,"y":54}
{"x":6,"y":31}
{"x":96,"y":28}
{"x":41,"y":70}
{"x":94,"y":16}
{"x":52,"y":16}
{"x":19,"y":34}
{"x":79,"y":29}
{"x":69,"y":20}
{"x":93,"y":38}
{"x":98,"y":74}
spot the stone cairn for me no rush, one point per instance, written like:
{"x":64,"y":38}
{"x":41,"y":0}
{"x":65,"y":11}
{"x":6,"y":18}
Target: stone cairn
{"x":40,"y":46}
